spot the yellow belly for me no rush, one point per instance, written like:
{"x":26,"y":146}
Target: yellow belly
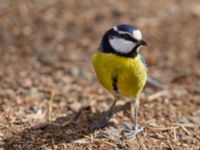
{"x":131,"y":73}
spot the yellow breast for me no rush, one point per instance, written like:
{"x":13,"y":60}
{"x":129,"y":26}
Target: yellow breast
{"x":131,"y":73}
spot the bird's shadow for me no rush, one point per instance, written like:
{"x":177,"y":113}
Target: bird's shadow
{"x":63,"y":129}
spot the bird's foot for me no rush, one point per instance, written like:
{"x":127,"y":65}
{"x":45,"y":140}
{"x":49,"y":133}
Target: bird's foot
{"x":130,"y":133}
{"x":102,"y":122}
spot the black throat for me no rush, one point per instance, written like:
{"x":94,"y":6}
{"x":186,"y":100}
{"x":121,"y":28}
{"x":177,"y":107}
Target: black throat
{"x":107,"y":48}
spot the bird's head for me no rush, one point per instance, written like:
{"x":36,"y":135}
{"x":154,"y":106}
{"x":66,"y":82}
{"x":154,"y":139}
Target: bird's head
{"x":124,"y":40}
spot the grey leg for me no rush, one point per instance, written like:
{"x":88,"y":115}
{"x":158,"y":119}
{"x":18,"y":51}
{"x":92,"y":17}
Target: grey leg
{"x":136,"y":109}
{"x":133,"y":132}
{"x":106,"y":117}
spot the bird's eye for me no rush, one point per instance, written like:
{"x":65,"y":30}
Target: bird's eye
{"x":128,"y":37}
{"x":111,"y":37}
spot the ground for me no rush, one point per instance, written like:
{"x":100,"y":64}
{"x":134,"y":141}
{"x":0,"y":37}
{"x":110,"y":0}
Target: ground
{"x":49,"y":94}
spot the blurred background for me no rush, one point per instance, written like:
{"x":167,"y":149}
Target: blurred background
{"x":45,"y":50}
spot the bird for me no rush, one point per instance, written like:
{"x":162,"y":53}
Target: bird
{"x":121,"y":70}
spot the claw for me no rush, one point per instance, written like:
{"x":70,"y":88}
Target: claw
{"x":132,"y":133}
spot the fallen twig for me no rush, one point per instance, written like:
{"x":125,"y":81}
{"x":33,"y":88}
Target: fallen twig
{"x":142,"y":144}
{"x":53,"y":93}
{"x":157,"y":95}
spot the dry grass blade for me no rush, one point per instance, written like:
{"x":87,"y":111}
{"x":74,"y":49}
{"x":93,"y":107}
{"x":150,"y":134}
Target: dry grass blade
{"x":165,"y":128}
{"x":170,"y":145}
{"x":50,"y":108}
{"x":185,"y":129}
{"x":142,"y":144}
{"x":53,"y":143}
{"x":175,"y":135}
{"x":157,"y":95}
{"x":108,"y":143}
{"x":91,"y":138}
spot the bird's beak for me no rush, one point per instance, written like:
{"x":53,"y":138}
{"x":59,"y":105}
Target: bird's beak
{"x":142,"y":42}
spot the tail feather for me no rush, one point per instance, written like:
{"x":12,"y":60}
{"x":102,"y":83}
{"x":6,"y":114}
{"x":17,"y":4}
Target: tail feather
{"x":155,"y":83}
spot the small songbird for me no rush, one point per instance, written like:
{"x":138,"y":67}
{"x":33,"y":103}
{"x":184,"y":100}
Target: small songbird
{"x":120,"y":68}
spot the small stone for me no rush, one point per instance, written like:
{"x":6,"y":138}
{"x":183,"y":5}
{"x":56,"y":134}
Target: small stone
{"x":87,"y":148}
{"x":81,"y":141}
{"x":121,"y":144}
{"x":28,"y":83}
{"x":34,"y":92}
{"x":11,"y":94}
{"x":195,"y":9}
{"x":75,"y":106}
{"x":35,"y":108}
{"x":1,"y":144}
{"x":27,"y":30}
{"x":18,"y":101}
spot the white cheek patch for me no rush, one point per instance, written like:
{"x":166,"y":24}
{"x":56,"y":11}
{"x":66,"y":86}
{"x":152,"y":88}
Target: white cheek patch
{"x":137,"y":34}
{"x":121,"y":45}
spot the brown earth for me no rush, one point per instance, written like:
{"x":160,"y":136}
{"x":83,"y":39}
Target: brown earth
{"x":49,"y":95}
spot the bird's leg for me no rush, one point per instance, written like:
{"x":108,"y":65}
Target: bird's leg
{"x":106,"y":117}
{"x":135,"y":130}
